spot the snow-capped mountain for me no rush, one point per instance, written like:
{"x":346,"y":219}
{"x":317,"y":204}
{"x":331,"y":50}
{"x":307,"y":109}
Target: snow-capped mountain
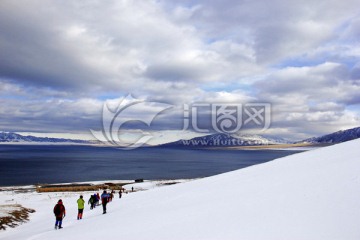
{"x":336,"y":137}
{"x":260,"y":139}
{"x":10,"y":137}
{"x":223,"y":139}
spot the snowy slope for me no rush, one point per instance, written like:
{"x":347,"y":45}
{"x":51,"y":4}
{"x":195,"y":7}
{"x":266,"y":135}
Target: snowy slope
{"x":309,"y":196}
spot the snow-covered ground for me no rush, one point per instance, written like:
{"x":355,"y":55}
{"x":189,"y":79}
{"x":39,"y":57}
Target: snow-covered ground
{"x":309,"y":196}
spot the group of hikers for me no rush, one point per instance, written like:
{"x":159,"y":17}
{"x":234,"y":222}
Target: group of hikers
{"x":60,"y":212}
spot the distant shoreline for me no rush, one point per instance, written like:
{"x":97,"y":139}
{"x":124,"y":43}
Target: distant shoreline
{"x":293,"y":146}
{"x":33,"y":187}
{"x":290,"y":146}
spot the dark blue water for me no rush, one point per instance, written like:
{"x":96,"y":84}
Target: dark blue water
{"x":31,"y":164}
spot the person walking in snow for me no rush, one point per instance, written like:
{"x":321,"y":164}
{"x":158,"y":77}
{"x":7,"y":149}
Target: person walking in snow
{"x":92,"y":201}
{"x":60,"y":213}
{"x":111,"y":195}
{"x":104,"y":200}
{"x":120,"y":194}
{"x":97,"y":199}
{"x":81,"y":204}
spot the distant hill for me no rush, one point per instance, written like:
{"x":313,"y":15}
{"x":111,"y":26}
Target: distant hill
{"x":225,"y":140}
{"x":336,"y":137}
{"x":229,"y":140}
{"x":212,"y":140}
{"x":10,"y":137}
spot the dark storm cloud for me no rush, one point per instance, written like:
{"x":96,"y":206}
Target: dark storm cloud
{"x":32,"y":51}
{"x":173,"y":72}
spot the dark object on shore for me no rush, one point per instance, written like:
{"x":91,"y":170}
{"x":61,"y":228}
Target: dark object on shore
{"x":139,"y":180}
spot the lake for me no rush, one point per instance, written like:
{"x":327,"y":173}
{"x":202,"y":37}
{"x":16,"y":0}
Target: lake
{"x":33,"y":164}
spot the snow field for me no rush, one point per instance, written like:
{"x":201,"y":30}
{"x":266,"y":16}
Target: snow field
{"x":309,"y":196}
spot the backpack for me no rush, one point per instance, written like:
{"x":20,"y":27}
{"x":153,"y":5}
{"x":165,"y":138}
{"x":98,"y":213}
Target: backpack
{"x":57,"y":209}
{"x":104,"y":198}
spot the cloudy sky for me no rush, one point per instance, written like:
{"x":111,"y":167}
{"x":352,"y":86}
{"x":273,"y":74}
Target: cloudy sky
{"x":61,"y":60}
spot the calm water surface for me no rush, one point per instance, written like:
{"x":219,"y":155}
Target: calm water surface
{"x":32,"y":164}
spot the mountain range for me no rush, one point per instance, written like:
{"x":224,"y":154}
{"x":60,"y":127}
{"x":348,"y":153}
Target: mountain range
{"x":223,"y":139}
{"x":228,"y":140}
{"x":212,"y":140}
{"x":336,"y":137}
{"x":10,"y":137}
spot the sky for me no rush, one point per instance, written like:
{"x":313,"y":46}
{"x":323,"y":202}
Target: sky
{"x":61,"y":61}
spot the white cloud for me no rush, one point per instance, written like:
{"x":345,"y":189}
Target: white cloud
{"x":326,"y":82}
{"x":59,"y":58}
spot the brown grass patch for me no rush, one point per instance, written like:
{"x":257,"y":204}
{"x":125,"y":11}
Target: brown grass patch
{"x":79,"y":187}
{"x":17,"y":214}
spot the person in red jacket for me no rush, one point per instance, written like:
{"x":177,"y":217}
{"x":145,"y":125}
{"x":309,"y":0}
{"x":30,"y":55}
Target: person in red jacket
{"x":59,"y":211}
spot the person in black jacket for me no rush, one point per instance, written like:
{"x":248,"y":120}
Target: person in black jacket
{"x":60,"y":213}
{"x":92,"y":201}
